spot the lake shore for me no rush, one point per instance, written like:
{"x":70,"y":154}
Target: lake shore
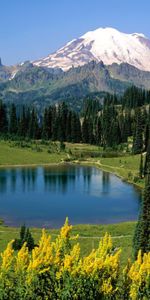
{"x":110,"y":170}
{"x":106,"y":168}
{"x":126,"y":166}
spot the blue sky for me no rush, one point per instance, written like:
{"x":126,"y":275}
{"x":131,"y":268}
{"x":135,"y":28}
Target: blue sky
{"x":31,"y":29}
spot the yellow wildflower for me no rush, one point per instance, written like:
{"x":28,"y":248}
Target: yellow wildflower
{"x":7,"y":257}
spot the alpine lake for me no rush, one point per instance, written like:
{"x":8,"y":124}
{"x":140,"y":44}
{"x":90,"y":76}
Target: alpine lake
{"x":44,"y":196}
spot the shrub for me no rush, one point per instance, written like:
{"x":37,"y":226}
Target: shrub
{"x":62,"y":146}
{"x":25,"y":237}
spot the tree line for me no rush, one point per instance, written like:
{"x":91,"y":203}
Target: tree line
{"x":107,"y":125}
{"x":55,"y":123}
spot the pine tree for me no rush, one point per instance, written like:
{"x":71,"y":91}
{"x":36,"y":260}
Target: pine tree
{"x":85,"y":131}
{"x":54,"y":123}
{"x":13,"y":123}
{"x":68,"y":126}
{"x":29,"y":240}
{"x":138,"y":134}
{"x":147,"y":135}
{"x":45,"y":125}
{"x":62,"y":118}
{"x":33,"y":125}
{"x":22,"y":130}
{"x":22,"y":232}
{"x":147,"y":159}
{"x":3,"y":119}
{"x":25,"y":236}
{"x":142,"y":233}
{"x":98,"y":131}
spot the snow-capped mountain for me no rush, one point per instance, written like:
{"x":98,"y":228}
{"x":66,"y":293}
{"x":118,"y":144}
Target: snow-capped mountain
{"x":103,"y":44}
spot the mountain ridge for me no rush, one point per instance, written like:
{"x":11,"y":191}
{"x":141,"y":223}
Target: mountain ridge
{"x":43,"y":86}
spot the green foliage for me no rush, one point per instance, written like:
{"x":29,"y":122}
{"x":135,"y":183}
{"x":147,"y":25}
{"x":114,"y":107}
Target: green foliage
{"x":147,"y":159}
{"x":56,"y":270}
{"x":142,"y":233}
{"x":13,"y":123}
{"x":62,"y":146}
{"x":25,"y":236}
{"x":141,"y":171}
{"x":138,"y":134}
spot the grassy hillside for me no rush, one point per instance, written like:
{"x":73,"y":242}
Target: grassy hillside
{"x":22,"y":153}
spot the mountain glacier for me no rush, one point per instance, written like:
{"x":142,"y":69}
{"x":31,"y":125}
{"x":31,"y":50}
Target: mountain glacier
{"x":104,"y":44}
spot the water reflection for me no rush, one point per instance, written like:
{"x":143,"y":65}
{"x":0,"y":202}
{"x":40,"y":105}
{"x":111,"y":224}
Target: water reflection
{"x":3,"y":181}
{"x":40,"y":196}
{"x":13,"y":178}
{"x":105,"y":182}
{"x":57,"y":180}
{"x":28,"y":178}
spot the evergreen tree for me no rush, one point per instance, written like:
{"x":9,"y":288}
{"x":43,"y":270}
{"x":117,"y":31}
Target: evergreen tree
{"x":116,"y":134}
{"x":147,"y":159}
{"x":85,"y":131}
{"x":138,"y":134}
{"x":55,"y":124}
{"x":147,"y":135}
{"x":75,"y":128}
{"x":25,"y":236}
{"x":3,"y":119}
{"x":13,"y":123}
{"x":33,"y":125}
{"x":62,"y":117}
{"x":22,"y":232}
{"x":98,"y":131}
{"x":45,"y":125}
{"x":29,"y":240}
{"x":22,"y":130}
{"x":142,"y":232}
{"x":69,"y":127}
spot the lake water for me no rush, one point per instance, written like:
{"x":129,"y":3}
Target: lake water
{"x":43,"y":197}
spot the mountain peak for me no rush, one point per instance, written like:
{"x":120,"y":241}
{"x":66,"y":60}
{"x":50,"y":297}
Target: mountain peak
{"x":103,"y":44}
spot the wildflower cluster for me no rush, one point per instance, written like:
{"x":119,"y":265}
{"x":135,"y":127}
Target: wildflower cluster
{"x":55,"y":270}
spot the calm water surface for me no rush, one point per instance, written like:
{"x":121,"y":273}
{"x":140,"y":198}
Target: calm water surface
{"x":45,"y":196}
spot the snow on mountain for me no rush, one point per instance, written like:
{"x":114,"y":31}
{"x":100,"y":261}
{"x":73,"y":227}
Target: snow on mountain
{"x":103,"y":44}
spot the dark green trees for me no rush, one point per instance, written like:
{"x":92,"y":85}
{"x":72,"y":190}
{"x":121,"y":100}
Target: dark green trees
{"x":147,"y":159}
{"x":62,"y":124}
{"x":23,"y":123}
{"x":25,"y":236}
{"x":3,"y":119}
{"x":48,"y":119}
{"x":33,"y":125}
{"x":13,"y":122}
{"x":141,"y":169}
{"x":107,"y":123}
{"x":142,"y":232}
{"x":138,"y":133}
{"x":110,"y":126}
